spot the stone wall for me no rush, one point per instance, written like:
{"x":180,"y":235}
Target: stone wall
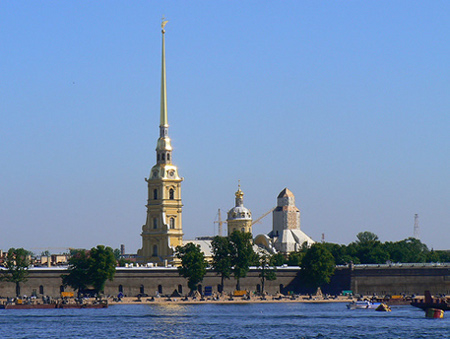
{"x":400,"y":279}
{"x":134,"y":281}
{"x":361,"y":279}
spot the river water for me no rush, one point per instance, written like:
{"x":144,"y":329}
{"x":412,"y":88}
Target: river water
{"x":277,"y":320}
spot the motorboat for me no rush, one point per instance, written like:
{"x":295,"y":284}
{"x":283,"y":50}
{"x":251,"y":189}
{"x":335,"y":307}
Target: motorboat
{"x":362,"y":304}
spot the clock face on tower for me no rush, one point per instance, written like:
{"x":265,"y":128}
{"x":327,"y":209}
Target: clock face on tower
{"x":171,"y":173}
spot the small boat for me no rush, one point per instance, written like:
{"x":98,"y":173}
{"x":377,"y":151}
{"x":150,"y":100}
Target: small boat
{"x":364,"y":304}
{"x":383,"y":308}
{"x":434,"y":313}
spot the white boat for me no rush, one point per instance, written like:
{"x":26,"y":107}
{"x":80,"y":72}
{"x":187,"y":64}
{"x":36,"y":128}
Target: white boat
{"x":362,"y":305}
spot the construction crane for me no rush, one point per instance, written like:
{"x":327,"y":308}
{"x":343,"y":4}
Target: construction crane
{"x":220,"y":222}
{"x":264,"y":215}
{"x":416,"y":226}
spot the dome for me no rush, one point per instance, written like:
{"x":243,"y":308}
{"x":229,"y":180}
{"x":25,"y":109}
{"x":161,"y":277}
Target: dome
{"x":239,"y":213}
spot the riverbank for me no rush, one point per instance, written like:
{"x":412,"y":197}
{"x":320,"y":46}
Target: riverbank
{"x":228,"y":300}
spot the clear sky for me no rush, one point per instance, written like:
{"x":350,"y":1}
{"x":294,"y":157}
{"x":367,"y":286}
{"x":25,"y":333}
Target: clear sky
{"x":346,"y":103}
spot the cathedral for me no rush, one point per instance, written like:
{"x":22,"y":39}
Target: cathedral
{"x":162,"y":231}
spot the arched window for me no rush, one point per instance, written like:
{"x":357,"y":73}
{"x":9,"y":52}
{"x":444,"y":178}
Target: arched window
{"x":155,"y":194}
{"x":168,"y":156}
{"x":171,"y":194}
{"x":155,"y":250}
{"x":163,"y":156}
{"x":160,"y":289}
{"x":172,"y":223}
{"x":120,"y":289}
{"x":141,"y":289}
{"x":180,"y":289}
{"x":41,"y":289}
{"x":155,"y":223}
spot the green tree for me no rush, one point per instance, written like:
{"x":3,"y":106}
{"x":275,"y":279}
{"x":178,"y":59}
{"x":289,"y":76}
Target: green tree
{"x":78,"y":271}
{"x":90,"y":268}
{"x":366,"y":237}
{"x":102,"y":266}
{"x":221,"y":258}
{"x":368,"y":249}
{"x":317,"y":266}
{"x":117,"y":254}
{"x":193,"y":264}
{"x":295,"y":258}
{"x":16,"y":264}
{"x":266,"y":272}
{"x":341,"y":254}
{"x":278,"y":259}
{"x":242,"y":254}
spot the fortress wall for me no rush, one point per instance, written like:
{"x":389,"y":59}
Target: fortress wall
{"x":361,"y":279}
{"x":395,"y":280}
{"x":131,"y":280}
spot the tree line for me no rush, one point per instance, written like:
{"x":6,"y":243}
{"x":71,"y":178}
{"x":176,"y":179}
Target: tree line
{"x":368,"y":249}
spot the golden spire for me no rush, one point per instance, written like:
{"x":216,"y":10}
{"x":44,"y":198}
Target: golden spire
{"x":163,"y":121}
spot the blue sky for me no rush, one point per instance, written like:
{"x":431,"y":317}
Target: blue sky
{"x":344,"y":102}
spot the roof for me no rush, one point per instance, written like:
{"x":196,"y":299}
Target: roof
{"x":286,"y":193}
{"x":205,"y":246}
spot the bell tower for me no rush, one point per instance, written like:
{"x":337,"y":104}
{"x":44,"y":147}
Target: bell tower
{"x":162,"y":231}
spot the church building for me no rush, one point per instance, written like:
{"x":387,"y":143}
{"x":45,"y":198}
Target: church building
{"x":162,"y":231}
{"x":239,"y":218}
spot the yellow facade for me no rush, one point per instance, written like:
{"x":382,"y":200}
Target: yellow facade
{"x":162,"y":231}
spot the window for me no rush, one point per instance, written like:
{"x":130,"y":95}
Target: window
{"x":155,"y":250}
{"x":160,"y":289}
{"x":171,"y":194}
{"x":141,"y":289}
{"x":180,"y":289}
{"x":258,"y":288}
{"x":168,"y":156}
{"x":120,"y":289}
{"x":155,"y":223}
{"x":41,"y":289}
{"x":172,"y":223}
{"x":163,"y":156}
{"x":61,"y":288}
{"x":155,"y":194}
